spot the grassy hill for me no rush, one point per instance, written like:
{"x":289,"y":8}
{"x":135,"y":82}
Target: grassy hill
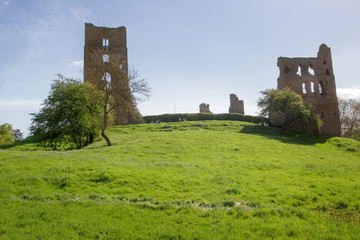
{"x":185,"y":180}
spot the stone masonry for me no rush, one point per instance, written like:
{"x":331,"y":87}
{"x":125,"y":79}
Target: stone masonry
{"x":314,"y":79}
{"x":236,"y":105}
{"x":110,"y":42}
{"x":204,"y":108}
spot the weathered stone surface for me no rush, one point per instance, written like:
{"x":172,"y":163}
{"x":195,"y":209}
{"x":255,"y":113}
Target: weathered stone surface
{"x":236,"y":105}
{"x":112,"y":41}
{"x":313,"y":78}
{"x":204,"y":108}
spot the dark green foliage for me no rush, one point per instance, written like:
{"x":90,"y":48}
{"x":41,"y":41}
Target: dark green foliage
{"x":18,"y":135}
{"x":291,"y":108}
{"x":70,"y":116}
{"x":202,"y":116}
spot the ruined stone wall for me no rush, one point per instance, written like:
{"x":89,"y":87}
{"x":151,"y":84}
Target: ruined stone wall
{"x":236,"y":105}
{"x":313,"y":78}
{"x":204,"y":108}
{"x":111,"y":42}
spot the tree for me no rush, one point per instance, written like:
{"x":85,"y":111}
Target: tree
{"x":139,"y":87}
{"x":349,"y":110}
{"x":18,"y":135}
{"x":70,"y":114}
{"x":5,"y":134}
{"x":121,"y":89}
{"x":288,"y":109}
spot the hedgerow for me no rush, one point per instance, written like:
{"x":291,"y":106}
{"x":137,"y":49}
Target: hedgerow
{"x":203,"y":116}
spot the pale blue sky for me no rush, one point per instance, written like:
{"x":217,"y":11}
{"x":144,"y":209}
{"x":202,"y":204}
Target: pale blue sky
{"x":190,"y":51}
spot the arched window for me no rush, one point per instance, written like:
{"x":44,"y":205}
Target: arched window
{"x":105,"y":42}
{"x":299,"y":71}
{"x":312,"y":87}
{"x":304,"y":88}
{"x":310,"y":70}
{"x":107,"y":77}
{"x":327,"y":72}
{"x":321,"y":88}
{"x":106,"y":58}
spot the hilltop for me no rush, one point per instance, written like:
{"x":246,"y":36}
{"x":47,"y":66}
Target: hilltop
{"x":184,"y":180}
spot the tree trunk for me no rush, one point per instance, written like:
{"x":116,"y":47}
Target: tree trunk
{"x":91,"y":140}
{"x":105,"y":123}
{"x":106,"y":137}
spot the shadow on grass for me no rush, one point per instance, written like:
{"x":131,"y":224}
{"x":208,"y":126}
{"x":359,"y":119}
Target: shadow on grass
{"x":27,"y":144}
{"x":291,"y":136}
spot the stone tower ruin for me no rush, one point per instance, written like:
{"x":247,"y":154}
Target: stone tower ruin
{"x":204,"y":108}
{"x":236,"y":105}
{"x":314,"y":79}
{"x":102,"y":46}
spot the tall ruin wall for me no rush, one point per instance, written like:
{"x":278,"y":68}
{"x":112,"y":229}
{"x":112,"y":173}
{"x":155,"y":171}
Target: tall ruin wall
{"x":314,"y":80}
{"x":204,"y":108}
{"x":236,"y":105}
{"x":111,"y":43}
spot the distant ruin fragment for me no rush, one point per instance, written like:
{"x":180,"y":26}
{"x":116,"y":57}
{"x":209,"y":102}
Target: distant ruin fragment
{"x":111,"y":43}
{"x":204,"y":108}
{"x":313,"y":78}
{"x":236,"y":105}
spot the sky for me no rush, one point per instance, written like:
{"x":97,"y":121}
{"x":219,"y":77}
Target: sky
{"x":190,"y":51}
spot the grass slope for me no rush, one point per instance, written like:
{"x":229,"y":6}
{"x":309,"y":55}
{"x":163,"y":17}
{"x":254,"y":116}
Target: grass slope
{"x":187,"y":180}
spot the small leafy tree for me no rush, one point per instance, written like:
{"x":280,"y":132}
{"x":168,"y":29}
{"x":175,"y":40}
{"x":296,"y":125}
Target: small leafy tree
{"x":6,"y":136}
{"x":71,"y":114}
{"x":290,"y":107}
{"x":349,"y":110}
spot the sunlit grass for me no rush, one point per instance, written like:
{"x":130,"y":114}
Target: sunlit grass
{"x":187,"y":180}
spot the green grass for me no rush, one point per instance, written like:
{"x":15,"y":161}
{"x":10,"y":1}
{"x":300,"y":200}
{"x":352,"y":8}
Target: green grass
{"x":186,"y":180}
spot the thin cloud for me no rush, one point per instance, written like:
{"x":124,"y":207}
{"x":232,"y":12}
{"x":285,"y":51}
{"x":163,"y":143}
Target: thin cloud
{"x":77,"y":63}
{"x":20,"y":104}
{"x":7,"y":2}
{"x":346,"y":93}
{"x":80,"y":13}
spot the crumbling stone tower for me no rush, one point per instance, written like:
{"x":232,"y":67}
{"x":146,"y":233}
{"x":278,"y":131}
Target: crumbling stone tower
{"x":313,"y":78}
{"x":236,"y":105}
{"x":111,"y":43}
{"x":204,"y":108}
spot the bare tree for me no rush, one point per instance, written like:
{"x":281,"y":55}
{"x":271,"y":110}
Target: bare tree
{"x":122,"y":89}
{"x":349,"y":110}
{"x":139,"y":86}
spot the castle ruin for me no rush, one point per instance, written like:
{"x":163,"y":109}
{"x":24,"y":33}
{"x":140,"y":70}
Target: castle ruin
{"x":236,"y":105}
{"x":204,"y":108}
{"x":103,"y":47}
{"x":314,"y":80}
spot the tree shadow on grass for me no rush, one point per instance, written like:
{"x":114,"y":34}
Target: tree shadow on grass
{"x":291,"y":136}
{"x":27,"y":144}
